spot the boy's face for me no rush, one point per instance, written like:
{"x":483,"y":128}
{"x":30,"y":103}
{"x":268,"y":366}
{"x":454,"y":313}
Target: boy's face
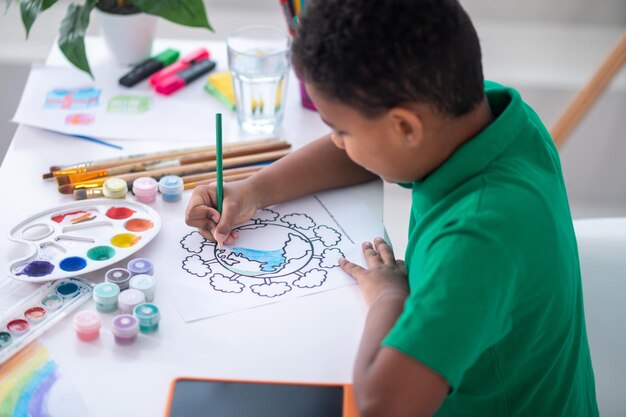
{"x":377,"y":144}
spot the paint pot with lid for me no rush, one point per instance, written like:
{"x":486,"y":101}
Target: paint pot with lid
{"x":145,"y":189}
{"x":129,"y":299}
{"x":140,"y":266}
{"x":118,"y":276}
{"x":105,"y":295}
{"x":171,"y":187}
{"x":145,"y":284}
{"x":125,"y":328}
{"x":115,"y":188}
{"x":148,"y":316}
{"x":87,"y":324}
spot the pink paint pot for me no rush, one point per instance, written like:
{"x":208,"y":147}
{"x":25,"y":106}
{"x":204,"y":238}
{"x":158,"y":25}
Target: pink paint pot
{"x":18,"y":326}
{"x":87,"y":325}
{"x":129,"y":299}
{"x":35,"y":314}
{"x":125,"y":328}
{"x":145,"y":189}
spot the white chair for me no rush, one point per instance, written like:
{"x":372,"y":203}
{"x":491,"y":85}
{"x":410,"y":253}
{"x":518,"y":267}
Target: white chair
{"x":602,"y":249}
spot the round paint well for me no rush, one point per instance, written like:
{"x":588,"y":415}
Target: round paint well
{"x":171,"y":187}
{"x":129,"y":299}
{"x":118,"y":276}
{"x":119,"y":213}
{"x":145,"y":189}
{"x":101,"y":253}
{"x":18,"y":326}
{"x":139,"y":225}
{"x":73,"y":263}
{"x":145,"y":284}
{"x":125,"y":240}
{"x":52,"y":302}
{"x":68,"y":290}
{"x":35,"y":314}
{"x":105,"y":295}
{"x":125,"y":328}
{"x":149,"y":316}
{"x":115,"y":188}
{"x":87,"y":324}
{"x":37,"y":269}
{"x":140,"y":266}
{"x":5,"y":339}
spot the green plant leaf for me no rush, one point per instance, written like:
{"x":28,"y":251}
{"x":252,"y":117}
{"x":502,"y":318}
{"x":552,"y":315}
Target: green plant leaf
{"x":30,"y":9}
{"x":183,"y":12}
{"x":72,"y":34}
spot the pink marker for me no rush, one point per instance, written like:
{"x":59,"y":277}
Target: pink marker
{"x":182,"y":64}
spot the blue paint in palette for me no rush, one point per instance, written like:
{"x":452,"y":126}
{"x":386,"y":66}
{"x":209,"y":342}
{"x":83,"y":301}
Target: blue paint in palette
{"x":37,"y":269}
{"x":73,"y":263}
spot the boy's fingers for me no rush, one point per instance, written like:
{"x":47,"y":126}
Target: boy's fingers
{"x":384,"y":250}
{"x":353,"y":270}
{"x":371,"y":256}
{"x":401,"y":266}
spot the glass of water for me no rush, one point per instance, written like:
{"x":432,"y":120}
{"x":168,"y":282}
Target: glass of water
{"x":258,"y":58}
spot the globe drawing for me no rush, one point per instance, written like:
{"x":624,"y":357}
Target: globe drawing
{"x":254,"y":255}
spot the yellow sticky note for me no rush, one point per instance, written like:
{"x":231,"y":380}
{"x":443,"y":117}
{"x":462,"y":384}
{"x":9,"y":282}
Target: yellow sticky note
{"x":220,"y":85}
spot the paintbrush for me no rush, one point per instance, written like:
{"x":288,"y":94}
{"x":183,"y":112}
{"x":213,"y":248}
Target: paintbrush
{"x":163,"y":163}
{"x":143,"y":157}
{"x":198,"y":168}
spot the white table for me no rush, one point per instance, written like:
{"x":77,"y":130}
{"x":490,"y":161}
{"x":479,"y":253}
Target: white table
{"x":281,"y":341}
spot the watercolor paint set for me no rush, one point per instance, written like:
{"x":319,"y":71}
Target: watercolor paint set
{"x":37,"y":313}
{"x":81,"y":237}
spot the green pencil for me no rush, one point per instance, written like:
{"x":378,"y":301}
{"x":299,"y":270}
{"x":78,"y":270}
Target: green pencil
{"x":218,"y":161}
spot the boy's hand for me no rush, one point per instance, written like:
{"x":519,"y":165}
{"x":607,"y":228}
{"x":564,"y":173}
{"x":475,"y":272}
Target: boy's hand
{"x":386,"y":276}
{"x":239,"y":205}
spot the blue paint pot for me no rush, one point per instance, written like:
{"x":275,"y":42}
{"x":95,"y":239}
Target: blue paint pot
{"x":105,"y":295}
{"x":68,"y":290}
{"x":171,"y":187}
{"x":140,"y":266}
{"x":148,"y":316}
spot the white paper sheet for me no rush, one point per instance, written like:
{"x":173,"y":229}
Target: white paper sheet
{"x":66,"y":100}
{"x":286,"y":251}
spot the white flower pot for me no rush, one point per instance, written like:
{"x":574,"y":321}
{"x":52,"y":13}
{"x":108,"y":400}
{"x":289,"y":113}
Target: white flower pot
{"x":128,"y":37}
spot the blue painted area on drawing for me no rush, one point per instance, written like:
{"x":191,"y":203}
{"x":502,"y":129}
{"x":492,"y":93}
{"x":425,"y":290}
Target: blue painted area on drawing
{"x":37,"y":269}
{"x":32,"y":401}
{"x":73,"y":263}
{"x":271,"y":259}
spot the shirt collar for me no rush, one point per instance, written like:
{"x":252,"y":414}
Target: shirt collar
{"x":474,"y":155}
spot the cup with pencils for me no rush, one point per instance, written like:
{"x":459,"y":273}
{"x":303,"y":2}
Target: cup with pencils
{"x":292,"y":10}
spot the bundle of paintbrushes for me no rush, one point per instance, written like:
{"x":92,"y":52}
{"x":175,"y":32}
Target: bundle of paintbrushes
{"x":196,"y":166}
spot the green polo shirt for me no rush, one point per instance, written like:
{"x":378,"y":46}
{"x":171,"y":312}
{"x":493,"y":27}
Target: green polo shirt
{"x":496,"y":303}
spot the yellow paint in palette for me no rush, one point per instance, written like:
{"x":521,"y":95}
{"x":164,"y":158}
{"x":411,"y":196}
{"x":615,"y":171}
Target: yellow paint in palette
{"x":125,"y":240}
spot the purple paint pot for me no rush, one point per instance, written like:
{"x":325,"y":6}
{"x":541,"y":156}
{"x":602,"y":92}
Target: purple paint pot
{"x":145,"y":189}
{"x":125,"y":328}
{"x":129,"y":299}
{"x":119,"y":276}
{"x":140,"y":266}
{"x":87,"y":325}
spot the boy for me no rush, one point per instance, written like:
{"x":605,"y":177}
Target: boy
{"x":487,"y":318}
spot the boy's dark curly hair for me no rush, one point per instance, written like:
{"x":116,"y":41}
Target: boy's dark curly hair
{"x":373,"y":55}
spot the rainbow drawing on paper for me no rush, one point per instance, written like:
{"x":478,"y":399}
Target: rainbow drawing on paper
{"x":32,"y":385}
{"x":72,"y":98}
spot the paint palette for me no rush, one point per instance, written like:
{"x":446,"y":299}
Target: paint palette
{"x":38,"y":312}
{"x":81,"y":237}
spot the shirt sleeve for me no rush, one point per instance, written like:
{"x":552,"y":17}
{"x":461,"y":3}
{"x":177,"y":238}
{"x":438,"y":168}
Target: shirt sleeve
{"x":460,"y":302}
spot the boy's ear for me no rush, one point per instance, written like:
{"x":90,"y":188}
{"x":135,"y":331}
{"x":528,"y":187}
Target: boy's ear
{"x":407,"y":125}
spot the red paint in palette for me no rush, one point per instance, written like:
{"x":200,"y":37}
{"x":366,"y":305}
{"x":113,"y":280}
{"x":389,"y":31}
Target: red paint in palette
{"x":119,"y":213}
{"x":59,"y":218}
{"x":18,"y":326}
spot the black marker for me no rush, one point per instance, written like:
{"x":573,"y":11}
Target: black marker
{"x":177,"y":81}
{"x":148,"y":67}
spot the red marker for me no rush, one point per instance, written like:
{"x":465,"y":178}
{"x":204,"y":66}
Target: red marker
{"x":177,"y":81}
{"x":184,"y":63}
